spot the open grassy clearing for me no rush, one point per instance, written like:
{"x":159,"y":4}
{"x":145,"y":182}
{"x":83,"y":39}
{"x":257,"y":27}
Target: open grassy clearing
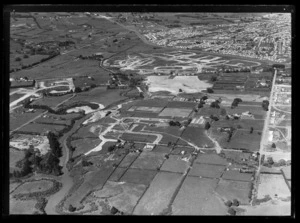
{"x":230,"y":190}
{"x":158,"y":195}
{"x":34,"y":186}
{"x":236,"y":175}
{"x":138,"y":138}
{"x":212,"y":159}
{"x":196,"y":197}
{"x":243,"y":139}
{"x":122,"y":196}
{"x":197,"y":136}
{"x":244,"y":124}
{"x":16,"y":118}
{"x":206,"y":170}
{"x":99,"y":95}
{"x":19,"y":207}
{"x":42,"y":128}
{"x":272,"y":185}
{"x":14,"y":97}
{"x":138,"y":176}
{"x":15,"y":156}
{"x":149,"y":160}
{"x":175,"y":164}
{"x":176,"y":112}
{"x":84,"y":145}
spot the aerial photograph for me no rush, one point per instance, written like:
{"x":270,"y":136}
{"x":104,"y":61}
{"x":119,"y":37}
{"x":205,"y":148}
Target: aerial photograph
{"x":150,"y":113}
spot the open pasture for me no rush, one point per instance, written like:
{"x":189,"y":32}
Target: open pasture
{"x":84,"y":145}
{"x":244,"y":124}
{"x":99,"y":95}
{"x":230,"y":190}
{"x":245,"y":140}
{"x":175,"y":112}
{"x":149,"y":161}
{"x":138,"y":176}
{"x":196,"y":197}
{"x":197,"y":136}
{"x":206,"y":170}
{"x":42,"y":128}
{"x":17,"y":118}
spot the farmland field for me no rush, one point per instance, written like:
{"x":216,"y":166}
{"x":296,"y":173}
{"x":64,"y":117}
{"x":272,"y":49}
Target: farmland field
{"x":196,"y":197}
{"x":84,"y":145}
{"x":149,"y":160}
{"x":15,"y":96}
{"x":230,"y":190}
{"x":197,"y":136}
{"x":17,"y":118}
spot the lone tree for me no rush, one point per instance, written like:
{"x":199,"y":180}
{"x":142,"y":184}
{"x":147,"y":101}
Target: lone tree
{"x":207,"y":125}
{"x":235,"y":202}
{"x":273,"y":145}
{"x":71,"y":208}
{"x":213,"y":78}
{"x":228,"y":203}
{"x":18,"y":59}
{"x":251,"y":130}
{"x":210,"y":90}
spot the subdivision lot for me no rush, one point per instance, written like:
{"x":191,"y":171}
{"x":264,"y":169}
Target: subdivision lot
{"x":158,"y":195}
{"x":138,"y":176}
{"x":175,"y":164}
{"x":273,"y":185}
{"x":149,"y":160}
{"x":236,"y":175}
{"x":122,"y":196}
{"x":196,"y":197}
{"x":138,"y":137}
{"x":197,"y":136}
{"x":84,"y":145}
{"x":211,"y":158}
{"x":176,"y":112}
{"x":206,"y":170}
{"x":230,"y":190}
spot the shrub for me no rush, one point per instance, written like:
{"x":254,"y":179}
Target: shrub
{"x":111,"y":148}
{"x":18,"y":59}
{"x":235,"y":202}
{"x":231,"y":211}
{"x":114,"y":210}
{"x":71,"y":208}
{"x":228,"y":203}
{"x":25,"y":56}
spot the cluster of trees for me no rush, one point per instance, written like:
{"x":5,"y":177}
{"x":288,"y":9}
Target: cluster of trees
{"x":207,"y":125}
{"x":209,"y":90}
{"x":174,"y":123}
{"x":265,"y":105}
{"x":235,"y":102}
{"x":48,"y":163}
{"x":215,"y":104}
{"x":213,"y":117}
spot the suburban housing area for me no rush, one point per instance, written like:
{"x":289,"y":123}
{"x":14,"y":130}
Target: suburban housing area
{"x":150,"y":113}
